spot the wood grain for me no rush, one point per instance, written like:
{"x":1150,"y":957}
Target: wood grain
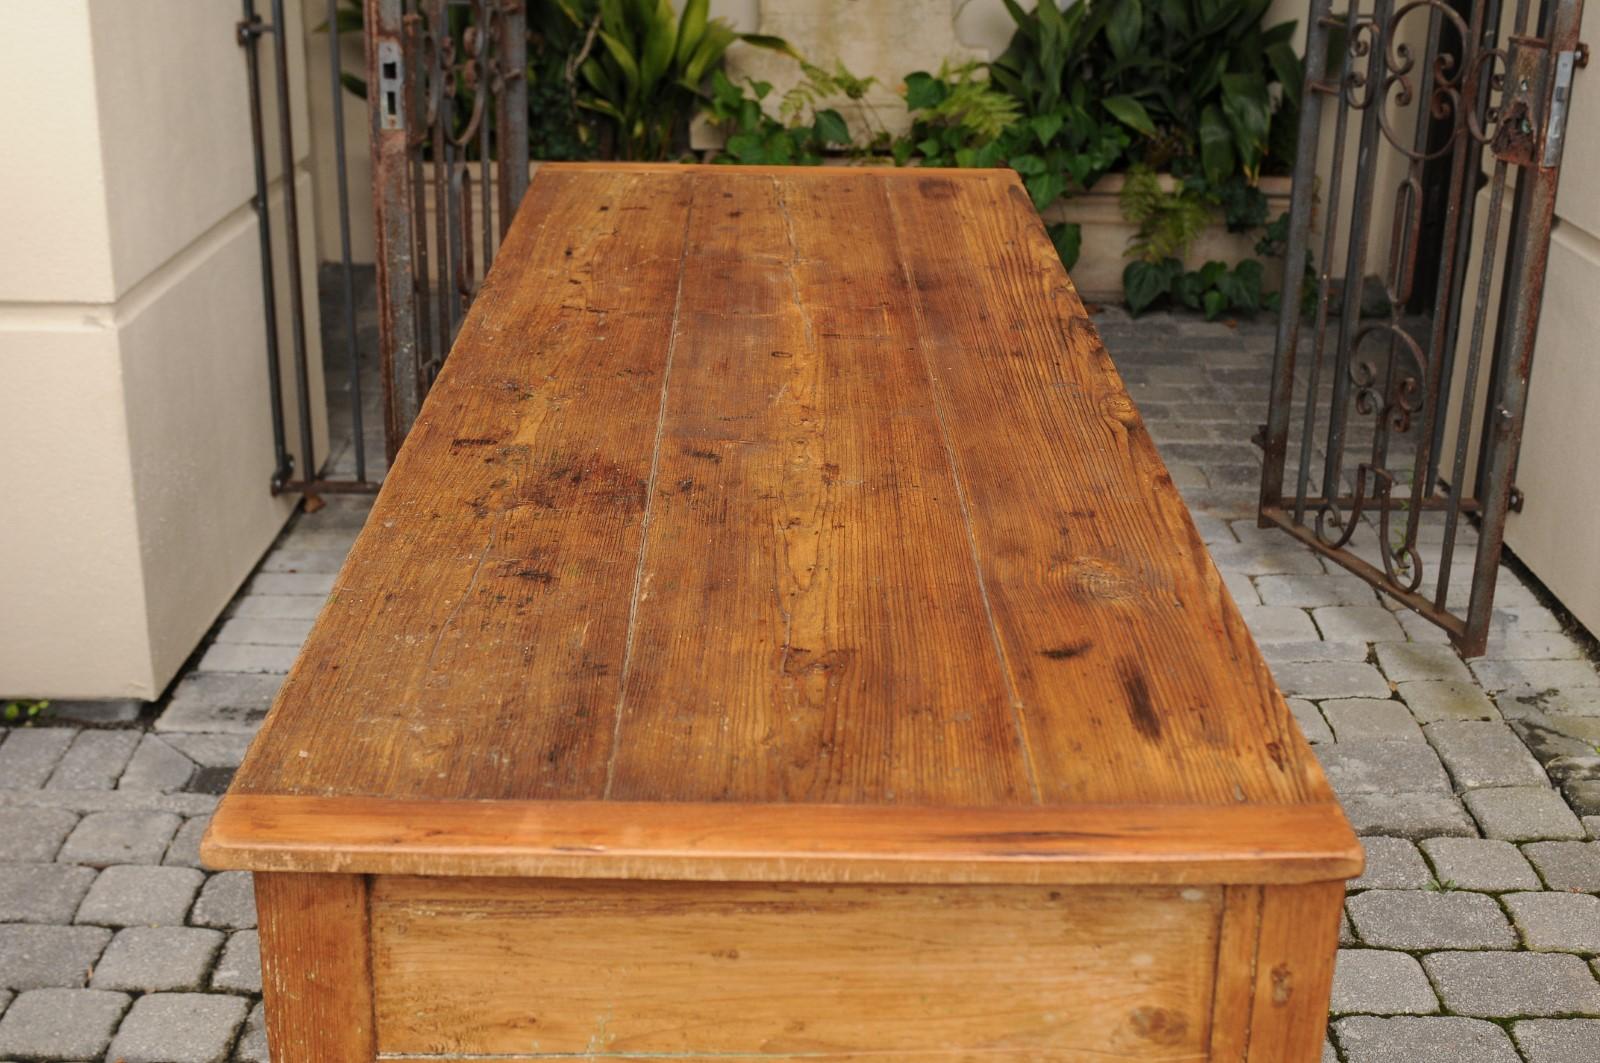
{"x":474,"y":638}
{"x":1136,"y":844}
{"x":778,"y":487}
{"x":1234,"y":988}
{"x":1136,"y":673}
{"x":853,"y":665}
{"x":469,"y":966}
{"x":1294,"y":971}
{"x":315,"y":967}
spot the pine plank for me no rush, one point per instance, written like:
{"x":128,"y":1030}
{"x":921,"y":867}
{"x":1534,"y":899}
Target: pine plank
{"x":668,"y":969}
{"x":1138,"y":678}
{"x":780,"y":488}
{"x":806,"y":540}
{"x":473,"y":641}
{"x":786,"y":842}
{"x":316,"y":972}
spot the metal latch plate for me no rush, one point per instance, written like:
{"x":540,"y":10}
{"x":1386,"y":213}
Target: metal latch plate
{"x":1555,"y":137}
{"x":391,"y":86}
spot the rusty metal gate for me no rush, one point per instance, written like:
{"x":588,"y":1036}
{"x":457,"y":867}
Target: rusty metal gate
{"x":1386,"y":427}
{"x":315,"y":473}
{"x":450,"y":164}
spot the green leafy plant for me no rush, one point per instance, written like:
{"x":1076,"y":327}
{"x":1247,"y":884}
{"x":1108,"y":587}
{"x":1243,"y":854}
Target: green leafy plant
{"x":957,"y":118}
{"x":1196,"y":87}
{"x":819,"y":86}
{"x":1214,"y":288}
{"x":1053,"y":62}
{"x":1212,"y":79}
{"x":557,"y":37}
{"x":1190,"y":79}
{"x":753,"y":136}
{"x":646,"y":76}
{"x":1168,"y":222}
{"x":961,"y":119}
{"x":22,"y":712}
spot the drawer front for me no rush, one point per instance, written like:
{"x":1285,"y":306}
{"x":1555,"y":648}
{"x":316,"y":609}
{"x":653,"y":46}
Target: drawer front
{"x":526,"y":969}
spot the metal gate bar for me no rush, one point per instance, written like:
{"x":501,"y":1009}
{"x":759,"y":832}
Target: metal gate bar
{"x":1397,"y":374}
{"x":453,"y":98}
{"x":309,"y":479}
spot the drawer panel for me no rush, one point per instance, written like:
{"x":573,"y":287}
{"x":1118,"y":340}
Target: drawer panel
{"x":533,"y":968}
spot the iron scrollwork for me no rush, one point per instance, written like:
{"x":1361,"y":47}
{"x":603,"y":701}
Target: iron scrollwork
{"x":1430,"y":87}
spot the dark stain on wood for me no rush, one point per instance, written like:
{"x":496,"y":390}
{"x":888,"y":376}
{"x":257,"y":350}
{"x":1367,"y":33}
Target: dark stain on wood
{"x":1141,"y":707}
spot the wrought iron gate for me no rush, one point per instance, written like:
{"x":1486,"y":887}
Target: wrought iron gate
{"x":450,"y":164}
{"x":1436,"y":400}
{"x":312,"y":478}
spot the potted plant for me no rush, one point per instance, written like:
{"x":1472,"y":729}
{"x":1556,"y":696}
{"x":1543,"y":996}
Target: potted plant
{"x":1154,"y":138}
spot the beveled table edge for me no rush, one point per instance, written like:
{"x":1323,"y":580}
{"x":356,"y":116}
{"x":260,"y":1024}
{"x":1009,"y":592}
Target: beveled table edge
{"x":1242,"y":844}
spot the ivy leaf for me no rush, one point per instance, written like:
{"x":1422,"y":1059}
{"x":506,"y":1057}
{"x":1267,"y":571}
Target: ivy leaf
{"x":1215,"y":303}
{"x":1046,"y":188}
{"x":1244,"y":205}
{"x":988,"y":155}
{"x":1028,"y":165}
{"x":743,"y":146}
{"x":1131,"y":113}
{"x":1046,"y":126}
{"x":924,"y":91}
{"x":1212,"y":273}
{"x":831,"y":128}
{"x":1068,"y":238}
{"x":1145,"y":282}
{"x":1242,"y":287}
{"x":1188,"y":289}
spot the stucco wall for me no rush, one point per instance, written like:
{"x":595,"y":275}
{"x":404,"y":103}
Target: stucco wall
{"x":1557,"y":534}
{"x":133,"y":390}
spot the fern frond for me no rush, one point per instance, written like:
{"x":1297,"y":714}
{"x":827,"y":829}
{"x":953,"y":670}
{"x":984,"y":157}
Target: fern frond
{"x":820,"y":85}
{"x":972,"y":105}
{"x":1168,"y":222}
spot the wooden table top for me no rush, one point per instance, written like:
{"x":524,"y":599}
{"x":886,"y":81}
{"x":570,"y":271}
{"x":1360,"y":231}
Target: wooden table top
{"x":781,"y":523}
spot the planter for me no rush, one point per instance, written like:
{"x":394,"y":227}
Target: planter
{"x":1098,"y":272}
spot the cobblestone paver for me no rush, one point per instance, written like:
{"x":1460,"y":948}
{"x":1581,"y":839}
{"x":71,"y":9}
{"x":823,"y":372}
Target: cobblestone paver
{"x":1472,"y":937}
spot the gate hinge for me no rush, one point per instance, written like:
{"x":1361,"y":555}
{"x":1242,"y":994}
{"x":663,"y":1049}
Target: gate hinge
{"x":1515,"y":499}
{"x":1555,"y":135}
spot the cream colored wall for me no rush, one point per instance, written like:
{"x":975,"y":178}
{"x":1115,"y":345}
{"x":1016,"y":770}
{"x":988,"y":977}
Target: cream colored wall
{"x":133,"y":391}
{"x":320,"y":106}
{"x":1557,"y":534}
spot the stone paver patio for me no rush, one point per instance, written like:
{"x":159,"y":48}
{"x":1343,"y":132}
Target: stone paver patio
{"x":1473,"y":937}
